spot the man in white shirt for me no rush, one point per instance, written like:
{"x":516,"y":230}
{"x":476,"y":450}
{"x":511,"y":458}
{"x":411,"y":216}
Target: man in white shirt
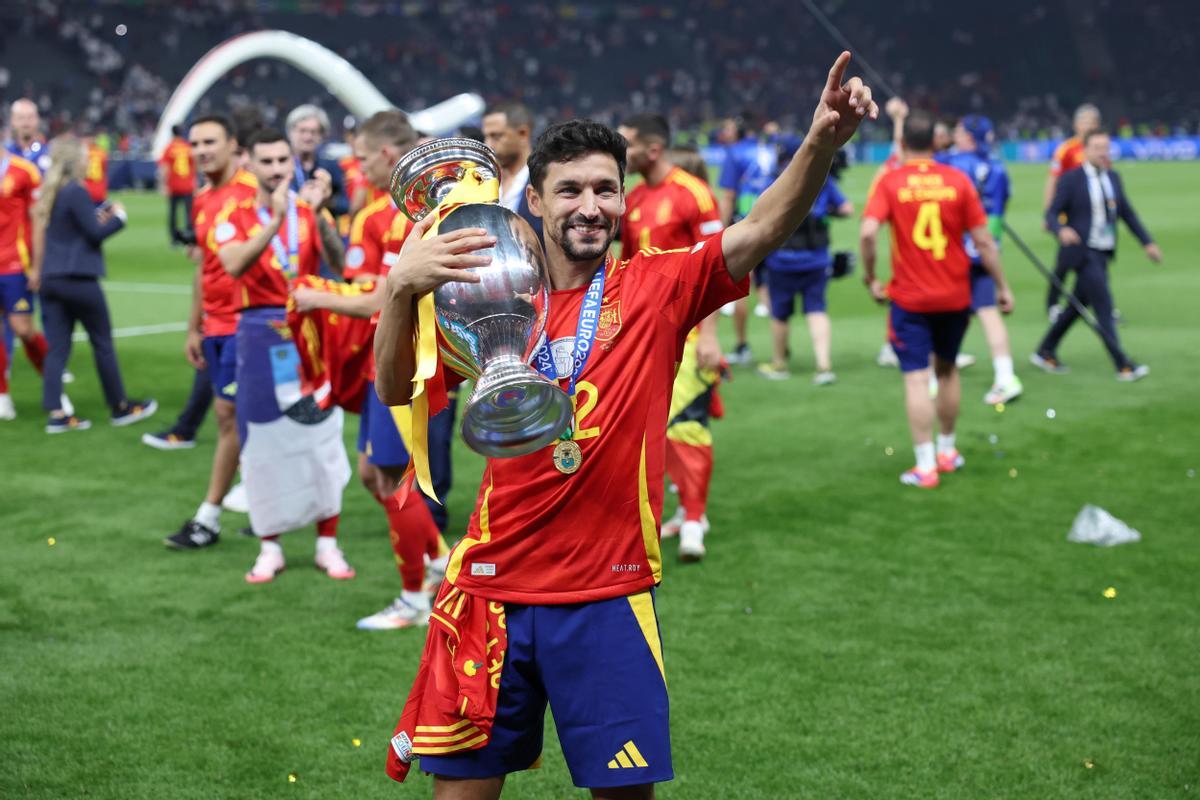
{"x":1083,"y":216}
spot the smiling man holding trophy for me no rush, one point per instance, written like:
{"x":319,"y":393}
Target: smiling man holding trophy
{"x":548,"y":599}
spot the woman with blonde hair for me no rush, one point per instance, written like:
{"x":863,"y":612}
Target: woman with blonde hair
{"x":67,"y":233}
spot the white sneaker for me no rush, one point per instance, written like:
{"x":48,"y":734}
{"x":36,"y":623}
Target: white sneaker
{"x":964,"y":360}
{"x":670,"y":527}
{"x":824,"y":378}
{"x":66,"y":405}
{"x":762,"y":311}
{"x":235,"y":500}
{"x":691,"y":541}
{"x":331,"y":561}
{"x":1004,"y":393}
{"x":435,"y":573}
{"x":887,"y":356}
{"x":68,"y":376}
{"x":268,"y":564}
{"x":7,"y":409}
{"x":399,"y":614}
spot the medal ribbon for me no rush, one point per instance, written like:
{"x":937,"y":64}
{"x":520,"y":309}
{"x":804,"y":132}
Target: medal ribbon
{"x":473,"y":188}
{"x":585,"y":337}
{"x":300,"y":177}
{"x":289,"y":258}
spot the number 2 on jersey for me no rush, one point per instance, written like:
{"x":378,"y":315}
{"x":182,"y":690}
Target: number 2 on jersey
{"x":927,"y":232}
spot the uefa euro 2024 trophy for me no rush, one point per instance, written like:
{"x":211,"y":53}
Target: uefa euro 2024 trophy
{"x":495,"y":326}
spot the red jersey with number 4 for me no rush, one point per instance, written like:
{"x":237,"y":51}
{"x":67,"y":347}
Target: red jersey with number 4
{"x":265,"y":283}
{"x":217,"y":287}
{"x":96,"y":176}
{"x":929,"y":207}
{"x":678,"y":212}
{"x":181,"y":170}
{"x":1067,"y":156}
{"x":17,"y":186}
{"x":377,"y":230}
{"x":543,"y":537}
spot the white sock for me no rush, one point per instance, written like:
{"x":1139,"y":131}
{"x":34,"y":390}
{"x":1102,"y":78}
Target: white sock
{"x":926,"y":458}
{"x":271,"y":546}
{"x":209,"y":515}
{"x":945,"y":443}
{"x":1004,"y":369}
{"x":440,"y":562}
{"x":326,"y":543}
{"x":415,"y":599}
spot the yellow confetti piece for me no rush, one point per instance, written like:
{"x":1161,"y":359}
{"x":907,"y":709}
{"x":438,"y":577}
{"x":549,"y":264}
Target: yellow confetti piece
{"x":291,"y":777}
{"x":1012,"y":473}
{"x":999,"y":408}
{"x":887,"y":451}
{"x":356,"y":742}
{"x":1088,"y":763}
{"x":1110,"y":593}
{"x":52,"y":541}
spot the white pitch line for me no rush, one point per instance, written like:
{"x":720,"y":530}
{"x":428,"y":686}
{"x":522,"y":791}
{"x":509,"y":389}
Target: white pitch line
{"x":148,"y":288}
{"x":137,"y":330}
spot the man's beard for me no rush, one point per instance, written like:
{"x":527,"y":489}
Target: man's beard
{"x":586,"y":252}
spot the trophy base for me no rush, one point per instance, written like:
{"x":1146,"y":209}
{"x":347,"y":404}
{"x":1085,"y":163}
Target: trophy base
{"x":514,"y":411}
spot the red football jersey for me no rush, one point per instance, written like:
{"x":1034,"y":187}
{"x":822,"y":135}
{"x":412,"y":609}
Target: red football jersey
{"x":377,"y":230}
{"x":540,"y":536}
{"x":352,"y":175}
{"x":217,"y":287}
{"x":96,"y":176}
{"x":1067,"y":156}
{"x":181,"y":170}
{"x":265,"y":283}
{"x":18,"y":183}
{"x":678,"y":212}
{"x":930,"y":207}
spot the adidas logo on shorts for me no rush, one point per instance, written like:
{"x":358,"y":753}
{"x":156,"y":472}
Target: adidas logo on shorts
{"x":628,"y":757}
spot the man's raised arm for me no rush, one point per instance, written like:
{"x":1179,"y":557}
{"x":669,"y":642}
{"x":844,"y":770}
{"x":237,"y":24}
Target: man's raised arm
{"x":782,"y":207}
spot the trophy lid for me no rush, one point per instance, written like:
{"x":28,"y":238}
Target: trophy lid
{"x":423,"y":178}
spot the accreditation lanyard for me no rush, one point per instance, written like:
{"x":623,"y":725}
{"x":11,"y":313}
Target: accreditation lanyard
{"x":4,"y":165}
{"x":585,"y":334}
{"x":289,"y":258}
{"x":300,"y":178}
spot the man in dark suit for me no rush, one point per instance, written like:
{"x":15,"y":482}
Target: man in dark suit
{"x":508,"y":130}
{"x":1083,"y":215}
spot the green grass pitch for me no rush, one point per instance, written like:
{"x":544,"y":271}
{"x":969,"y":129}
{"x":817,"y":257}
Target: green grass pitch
{"x":846,"y":637}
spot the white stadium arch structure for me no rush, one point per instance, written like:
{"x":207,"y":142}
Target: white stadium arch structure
{"x":329,"y":69}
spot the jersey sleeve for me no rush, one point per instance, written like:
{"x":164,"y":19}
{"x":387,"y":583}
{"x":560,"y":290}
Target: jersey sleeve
{"x":1056,"y":160}
{"x":229,"y":227}
{"x":705,"y":218}
{"x":363,"y":254}
{"x":878,"y":207}
{"x":688,"y":285}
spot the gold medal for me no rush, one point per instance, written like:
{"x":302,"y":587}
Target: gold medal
{"x":567,"y":457}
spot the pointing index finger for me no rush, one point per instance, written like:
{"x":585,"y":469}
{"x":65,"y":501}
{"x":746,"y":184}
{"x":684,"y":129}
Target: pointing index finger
{"x":837,"y":72}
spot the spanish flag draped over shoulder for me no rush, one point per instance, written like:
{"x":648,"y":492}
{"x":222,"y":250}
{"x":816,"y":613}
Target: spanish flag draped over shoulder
{"x":429,"y":390}
{"x":335,"y":350}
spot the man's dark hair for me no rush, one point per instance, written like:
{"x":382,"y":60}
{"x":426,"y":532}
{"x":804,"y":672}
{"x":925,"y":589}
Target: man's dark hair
{"x":177,"y":130}
{"x":918,"y":131}
{"x":650,"y":127}
{"x":568,"y":141}
{"x":1098,"y":132}
{"x":246,"y":121}
{"x":515,"y":114}
{"x":215,"y":119}
{"x":471,"y":132}
{"x":389,"y":127}
{"x":265,"y":136}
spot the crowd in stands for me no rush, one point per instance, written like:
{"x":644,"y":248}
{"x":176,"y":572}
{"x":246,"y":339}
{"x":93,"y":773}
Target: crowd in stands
{"x":113,"y":63}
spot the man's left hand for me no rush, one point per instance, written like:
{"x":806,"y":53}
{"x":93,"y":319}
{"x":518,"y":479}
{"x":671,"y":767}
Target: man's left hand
{"x":708,"y":350}
{"x":1153,"y":253}
{"x":842,"y":107}
{"x":878,"y":293}
{"x":307,"y":298}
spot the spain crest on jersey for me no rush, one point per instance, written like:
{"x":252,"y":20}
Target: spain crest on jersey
{"x":610,"y":321}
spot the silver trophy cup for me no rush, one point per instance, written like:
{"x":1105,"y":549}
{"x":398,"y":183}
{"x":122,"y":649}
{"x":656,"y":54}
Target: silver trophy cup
{"x":496,"y":324}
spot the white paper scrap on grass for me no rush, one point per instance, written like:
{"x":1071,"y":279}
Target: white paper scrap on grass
{"x":1094,"y":525}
